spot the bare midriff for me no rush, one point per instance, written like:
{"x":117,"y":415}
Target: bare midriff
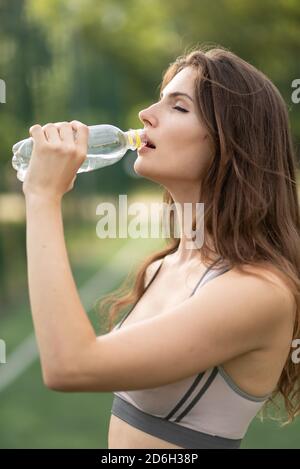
{"x":121,"y":435}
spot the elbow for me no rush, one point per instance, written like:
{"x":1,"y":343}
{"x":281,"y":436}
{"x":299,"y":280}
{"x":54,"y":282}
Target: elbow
{"x":68,"y":378}
{"x":54,"y":382}
{"x":58,"y":381}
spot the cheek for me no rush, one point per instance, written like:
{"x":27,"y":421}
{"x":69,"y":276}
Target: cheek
{"x":191,"y":157}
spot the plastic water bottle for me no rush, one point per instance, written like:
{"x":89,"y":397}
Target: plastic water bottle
{"x":107,"y":144}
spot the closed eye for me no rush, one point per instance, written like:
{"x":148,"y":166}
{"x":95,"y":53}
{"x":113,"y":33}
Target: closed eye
{"x":180,"y":109}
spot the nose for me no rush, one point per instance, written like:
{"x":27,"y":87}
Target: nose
{"x":147,"y":116}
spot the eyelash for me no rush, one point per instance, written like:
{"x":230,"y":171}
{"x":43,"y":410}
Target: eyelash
{"x":180,"y":109}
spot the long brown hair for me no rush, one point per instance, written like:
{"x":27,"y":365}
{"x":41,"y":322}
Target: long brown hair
{"x":250,"y":189}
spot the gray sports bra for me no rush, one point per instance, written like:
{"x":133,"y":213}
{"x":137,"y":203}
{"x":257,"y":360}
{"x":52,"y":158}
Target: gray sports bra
{"x":207,"y":410}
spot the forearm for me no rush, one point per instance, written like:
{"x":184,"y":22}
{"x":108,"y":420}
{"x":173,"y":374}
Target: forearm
{"x":62,"y":327}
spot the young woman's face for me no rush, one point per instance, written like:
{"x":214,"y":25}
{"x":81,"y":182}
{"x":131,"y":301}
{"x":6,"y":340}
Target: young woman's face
{"x":182,"y":150}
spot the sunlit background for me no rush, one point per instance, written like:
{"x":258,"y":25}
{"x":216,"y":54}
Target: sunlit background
{"x":101,"y":61}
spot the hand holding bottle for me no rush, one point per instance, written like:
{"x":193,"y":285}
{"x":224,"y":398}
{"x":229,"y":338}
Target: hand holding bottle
{"x":57,"y":154}
{"x":107,"y":144}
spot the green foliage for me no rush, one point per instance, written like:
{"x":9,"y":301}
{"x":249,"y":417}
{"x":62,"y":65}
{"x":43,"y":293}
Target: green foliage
{"x":102,"y":61}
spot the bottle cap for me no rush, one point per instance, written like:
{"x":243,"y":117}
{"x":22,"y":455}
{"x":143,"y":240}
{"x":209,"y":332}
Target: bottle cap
{"x":135,"y":138}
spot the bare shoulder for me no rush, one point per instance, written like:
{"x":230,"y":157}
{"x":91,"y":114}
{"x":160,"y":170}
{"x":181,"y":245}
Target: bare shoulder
{"x":232,"y":315}
{"x":270,"y":283}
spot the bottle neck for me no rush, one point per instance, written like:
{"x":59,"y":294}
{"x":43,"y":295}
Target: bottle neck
{"x":134,"y":138}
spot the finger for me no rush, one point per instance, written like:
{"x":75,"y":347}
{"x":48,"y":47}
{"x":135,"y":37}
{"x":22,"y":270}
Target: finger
{"x":66,"y":132}
{"x":52,"y":134}
{"x":82,"y":135}
{"x":37,"y":133}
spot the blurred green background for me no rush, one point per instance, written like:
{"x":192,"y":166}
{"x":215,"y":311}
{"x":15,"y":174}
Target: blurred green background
{"x":101,"y":61}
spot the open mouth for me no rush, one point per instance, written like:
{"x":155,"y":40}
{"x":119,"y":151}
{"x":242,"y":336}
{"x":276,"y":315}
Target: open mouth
{"x":146,"y":142}
{"x":150,"y":145}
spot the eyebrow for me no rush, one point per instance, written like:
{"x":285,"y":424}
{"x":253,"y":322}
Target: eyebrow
{"x":175,"y":94}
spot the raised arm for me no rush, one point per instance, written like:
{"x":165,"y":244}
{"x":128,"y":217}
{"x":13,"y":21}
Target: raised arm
{"x":229,"y":316}
{"x":62,"y":327}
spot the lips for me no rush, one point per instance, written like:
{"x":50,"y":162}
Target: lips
{"x":147,"y":142}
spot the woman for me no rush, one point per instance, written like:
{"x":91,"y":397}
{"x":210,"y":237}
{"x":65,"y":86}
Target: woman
{"x":210,"y":342}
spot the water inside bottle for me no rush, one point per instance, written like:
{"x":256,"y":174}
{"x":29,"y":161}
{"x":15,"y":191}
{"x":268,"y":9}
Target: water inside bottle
{"x":96,"y":161}
{"x":107,"y":145}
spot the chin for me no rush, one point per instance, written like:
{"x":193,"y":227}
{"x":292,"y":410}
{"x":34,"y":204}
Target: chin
{"x":146,"y":169}
{"x":140,"y":166}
